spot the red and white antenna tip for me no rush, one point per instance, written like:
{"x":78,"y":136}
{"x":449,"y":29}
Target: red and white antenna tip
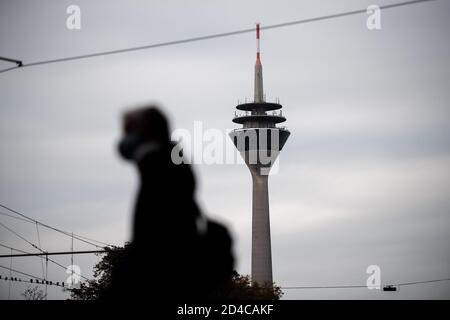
{"x":257,"y":44}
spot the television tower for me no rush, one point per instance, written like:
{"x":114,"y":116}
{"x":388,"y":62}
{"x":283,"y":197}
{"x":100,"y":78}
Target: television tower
{"x":259,"y":142}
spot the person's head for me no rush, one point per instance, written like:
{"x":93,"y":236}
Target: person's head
{"x":145,"y":125}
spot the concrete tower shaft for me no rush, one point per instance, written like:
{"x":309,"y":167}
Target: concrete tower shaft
{"x":261,"y":239}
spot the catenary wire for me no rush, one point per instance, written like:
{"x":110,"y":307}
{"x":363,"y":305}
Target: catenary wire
{"x":69,"y":234}
{"x":208,"y":37}
{"x":40,"y":249}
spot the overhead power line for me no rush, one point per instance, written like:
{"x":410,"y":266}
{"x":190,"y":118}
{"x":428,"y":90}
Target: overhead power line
{"x":26,"y":254}
{"x":14,"y":217}
{"x":69,"y":234}
{"x":29,"y":254}
{"x":36,"y":281}
{"x":19,"y":63}
{"x":207,"y":37}
{"x":11,"y":248}
{"x":420,"y":282}
{"x":19,"y":236}
{"x":33,"y":279}
{"x":361,"y":286}
{"x":324,"y":287}
{"x":58,"y":253}
{"x":21,"y":272}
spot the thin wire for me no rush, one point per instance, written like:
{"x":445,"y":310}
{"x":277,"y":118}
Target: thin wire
{"x":18,"y":235}
{"x":41,"y":257}
{"x":31,"y":220}
{"x":40,"y":249}
{"x":14,"y":217}
{"x":54,"y":283}
{"x":344,"y":14}
{"x":78,"y":237}
{"x":46,"y":276}
{"x":213,"y":36}
{"x":306,"y":287}
{"x":419,"y":282}
{"x":9,"y":286}
{"x":8,"y":69}
{"x":39,"y":243}
{"x":21,"y":272}
{"x":71,"y":258}
{"x":19,"y":63}
{"x":360,"y":286}
{"x":286,"y":288}
{"x":324,"y":287}
{"x":8,"y":247}
{"x":57,"y":253}
{"x":50,"y":283}
{"x":65,"y":268}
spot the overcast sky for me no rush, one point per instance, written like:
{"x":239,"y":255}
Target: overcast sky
{"x":363,"y":180}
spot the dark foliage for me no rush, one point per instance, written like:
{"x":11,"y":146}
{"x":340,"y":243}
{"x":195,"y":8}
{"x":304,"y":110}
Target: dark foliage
{"x":239,"y":287}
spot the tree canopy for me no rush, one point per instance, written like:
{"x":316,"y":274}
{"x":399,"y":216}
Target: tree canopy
{"x":239,"y":287}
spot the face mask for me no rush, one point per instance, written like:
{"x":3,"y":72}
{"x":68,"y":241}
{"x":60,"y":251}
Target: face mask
{"x":128,"y":145}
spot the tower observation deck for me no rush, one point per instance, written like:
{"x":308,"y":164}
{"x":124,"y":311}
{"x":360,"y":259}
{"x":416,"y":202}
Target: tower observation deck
{"x":259,"y":142}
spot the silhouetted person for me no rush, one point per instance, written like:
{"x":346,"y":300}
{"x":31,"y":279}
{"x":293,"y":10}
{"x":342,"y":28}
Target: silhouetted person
{"x":175,"y":253}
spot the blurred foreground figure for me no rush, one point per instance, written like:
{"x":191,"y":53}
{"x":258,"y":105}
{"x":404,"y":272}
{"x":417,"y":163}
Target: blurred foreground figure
{"x":176,"y":254}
